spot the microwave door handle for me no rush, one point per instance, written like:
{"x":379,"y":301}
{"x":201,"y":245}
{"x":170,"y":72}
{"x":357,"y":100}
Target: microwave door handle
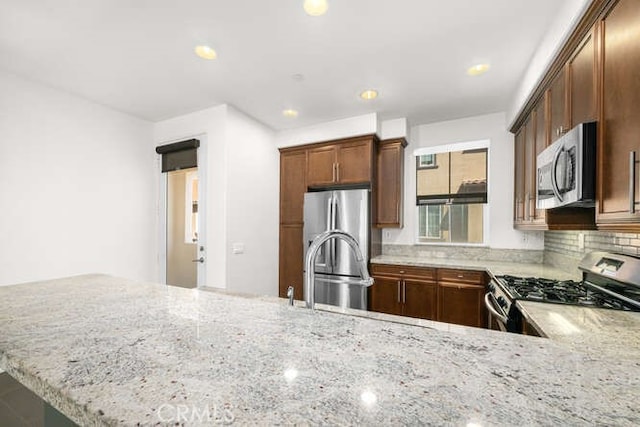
{"x":554,"y":178}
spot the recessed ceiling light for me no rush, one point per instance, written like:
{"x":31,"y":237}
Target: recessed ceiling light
{"x":290,"y":113}
{"x":206,"y":52}
{"x":369,"y":94}
{"x":478,"y":69}
{"x":316,"y":7}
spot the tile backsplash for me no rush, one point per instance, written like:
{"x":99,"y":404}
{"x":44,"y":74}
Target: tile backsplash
{"x":563,"y":249}
{"x":464,"y":252}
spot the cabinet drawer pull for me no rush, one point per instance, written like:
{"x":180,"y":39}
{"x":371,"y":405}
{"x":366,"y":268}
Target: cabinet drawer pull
{"x":333,"y":173}
{"x":337,"y":172}
{"x":401,"y":271}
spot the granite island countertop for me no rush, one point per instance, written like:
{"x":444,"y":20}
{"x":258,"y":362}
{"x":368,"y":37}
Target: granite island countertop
{"x":111,"y":351}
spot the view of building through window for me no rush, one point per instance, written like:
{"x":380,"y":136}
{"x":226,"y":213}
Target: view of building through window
{"x":451,"y":193}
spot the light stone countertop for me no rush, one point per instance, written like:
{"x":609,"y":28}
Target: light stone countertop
{"x":600,"y":332}
{"x":492,"y":267}
{"x":111,"y":351}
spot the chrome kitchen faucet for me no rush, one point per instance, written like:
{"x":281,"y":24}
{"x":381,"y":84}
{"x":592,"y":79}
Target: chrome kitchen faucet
{"x":312,"y":252}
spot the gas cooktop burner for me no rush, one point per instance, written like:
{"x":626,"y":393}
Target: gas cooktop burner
{"x":560,"y":292}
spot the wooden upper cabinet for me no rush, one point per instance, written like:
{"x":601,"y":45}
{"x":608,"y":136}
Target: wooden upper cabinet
{"x":293,"y":174}
{"x":518,"y":197}
{"x":390,"y":178}
{"x":619,"y":127}
{"x":529,"y":168}
{"x":582,"y":82}
{"x":557,"y":96}
{"x":347,"y":162}
{"x":322,"y":166}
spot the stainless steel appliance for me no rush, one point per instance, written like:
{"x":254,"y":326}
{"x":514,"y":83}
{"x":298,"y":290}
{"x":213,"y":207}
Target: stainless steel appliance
{"x":337,"y":272}
{"x":609,"y":281}
{"x":566,"y":173}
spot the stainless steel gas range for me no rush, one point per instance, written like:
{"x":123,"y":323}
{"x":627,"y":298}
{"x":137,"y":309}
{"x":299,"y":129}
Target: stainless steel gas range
{"x":609,"y":281}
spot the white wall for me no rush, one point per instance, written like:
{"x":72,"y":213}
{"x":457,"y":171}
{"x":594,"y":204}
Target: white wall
{"x":76,"y":187}
{"x":242,"y":188}
{"x":493,"y":128}
{"x":344,"y":128}
{"x":569,"y":13}
{"x":253,"y":186}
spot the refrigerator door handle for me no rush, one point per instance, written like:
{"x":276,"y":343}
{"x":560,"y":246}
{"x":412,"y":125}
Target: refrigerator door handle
{"x":328,"y":246}
{"x":334,"y":226}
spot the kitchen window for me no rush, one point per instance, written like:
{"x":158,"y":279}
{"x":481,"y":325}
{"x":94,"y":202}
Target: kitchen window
{"x":451,"y":196}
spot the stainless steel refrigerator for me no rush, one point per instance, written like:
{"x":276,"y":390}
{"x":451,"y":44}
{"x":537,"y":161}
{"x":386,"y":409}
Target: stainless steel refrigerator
{"x":336,"y":268}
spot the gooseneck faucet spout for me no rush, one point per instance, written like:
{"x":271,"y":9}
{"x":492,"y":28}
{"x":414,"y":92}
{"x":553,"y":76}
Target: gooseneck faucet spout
{"x":310,"y":262}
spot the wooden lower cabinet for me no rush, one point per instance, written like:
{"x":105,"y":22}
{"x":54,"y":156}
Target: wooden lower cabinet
{"x":404,"y":291}
{"x":384,"y":296}
{"x":462,"y":304}
{"x":291,"y":260}
{"x":447,"y":295}
{"x":420,"y":299}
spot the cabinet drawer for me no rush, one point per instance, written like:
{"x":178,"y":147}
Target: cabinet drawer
{"x":423,"y":273}
{"x":461,"y":276}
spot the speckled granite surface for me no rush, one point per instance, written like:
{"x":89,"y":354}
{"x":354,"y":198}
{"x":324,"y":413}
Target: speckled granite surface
{"x":108,"y":351}
{"x":597,"y":331}
{"x":493,"y":267}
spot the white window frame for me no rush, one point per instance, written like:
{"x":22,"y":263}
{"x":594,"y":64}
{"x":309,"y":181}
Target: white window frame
{"x":445,"y":148}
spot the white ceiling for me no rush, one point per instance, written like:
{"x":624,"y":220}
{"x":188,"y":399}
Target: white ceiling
{"x":137,"y":55}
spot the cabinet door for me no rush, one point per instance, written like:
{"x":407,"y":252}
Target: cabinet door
{"x":557,"y":106}
{"x":529,"y":169}
{"x":420,"y":299}
{"x":389,"y":180}
{"x":386,"y":294}
{"x":518,"y":197}
{"x":355,"y":162}
{"x":291,"y":260}
{"x":582,"y":82}
{"x":293,"y":175}
{"x":322,"y":166}
{"x":620,"y":124}
{"x":462,"y":304}
{"x":541,"y":142}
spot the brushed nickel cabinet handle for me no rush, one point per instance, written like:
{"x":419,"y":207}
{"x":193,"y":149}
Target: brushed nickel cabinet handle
{"x":337,"y":172}
{"x":399,"y":301}
{"x":404,"y":292}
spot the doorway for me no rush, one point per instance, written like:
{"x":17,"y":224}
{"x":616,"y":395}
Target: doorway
{"x":182,"y":213}
{"x":182,"y":228}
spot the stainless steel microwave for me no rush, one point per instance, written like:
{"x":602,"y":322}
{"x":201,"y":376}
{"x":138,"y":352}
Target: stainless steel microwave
{"x":567,"y":170}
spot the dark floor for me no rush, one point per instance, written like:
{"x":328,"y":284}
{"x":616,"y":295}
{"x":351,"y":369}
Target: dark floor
{"x":18,"y":405}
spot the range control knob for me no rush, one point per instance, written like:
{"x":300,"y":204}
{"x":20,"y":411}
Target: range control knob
{"x":492,"y":287}
{"x":502,"y":302}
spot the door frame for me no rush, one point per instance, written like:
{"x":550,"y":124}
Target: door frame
{"x":202,"y":210}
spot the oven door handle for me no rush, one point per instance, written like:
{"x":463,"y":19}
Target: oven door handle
{"x":487,"y":301}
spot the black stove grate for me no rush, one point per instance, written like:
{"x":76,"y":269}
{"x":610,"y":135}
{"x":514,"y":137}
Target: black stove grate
{"x":560,"y":292}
